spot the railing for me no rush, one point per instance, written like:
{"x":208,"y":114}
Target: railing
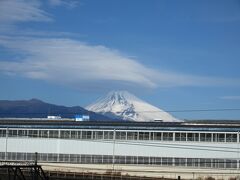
{"x":122,"y":135}
{"x":21,"y":170}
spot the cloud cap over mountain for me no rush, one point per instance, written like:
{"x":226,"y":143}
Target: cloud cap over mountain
{"x":77,"y":64}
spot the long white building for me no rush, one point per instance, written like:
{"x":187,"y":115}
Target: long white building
{"x":157,"y":143}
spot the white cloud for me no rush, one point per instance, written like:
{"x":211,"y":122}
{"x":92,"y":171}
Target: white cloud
{"x":230,"y":97}
{"x":72,"y":62}
{"x":28,"y":32}
{"x":55,"y":2}
{"x":77,"y":64}
{"x":67,"y":3}
{"x":13,"y":11}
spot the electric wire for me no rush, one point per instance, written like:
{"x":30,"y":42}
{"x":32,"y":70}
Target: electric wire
{"x":165,"y":145}
{"x":146,"y":111}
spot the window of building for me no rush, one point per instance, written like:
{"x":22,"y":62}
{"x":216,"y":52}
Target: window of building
{"x":121,"y":135}
{"x":88,"y":135}
{"x":2,"y":133}
{"x":22,"y":133}
{"x":33,"y":133}
{"x":99,"y":134}
{"x":158,"y":136}
{"x":143,"y":135}
{"x":190,"y":137}
{"x":44,"y":133}
{"x":218,"y":137}
{"x":108,"y":134}
{"x":65,"y":134}
{"x":166,"y":161}
{"x":180,"y":161}
{"x":74,"y":134}
{"x":132,"y":135}
{"x":53,"y":134}
{"x":12,"y":133}
{"x":205,"y":137}
{"x":231,"y":137}
{"x":167,"y":136}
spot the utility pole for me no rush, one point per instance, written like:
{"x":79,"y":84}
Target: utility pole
{"x":238,"y":141}
{"x":6,"y":145}
{"x":36,"y":159}
{"x":114,"y":143}
{"x":35,"y":176}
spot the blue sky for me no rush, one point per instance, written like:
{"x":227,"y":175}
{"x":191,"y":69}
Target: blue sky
{"x":176,"y":55}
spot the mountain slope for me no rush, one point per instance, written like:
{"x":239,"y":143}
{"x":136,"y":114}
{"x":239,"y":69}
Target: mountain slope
{"x":35,"y":108}
{"x":123,"y":105}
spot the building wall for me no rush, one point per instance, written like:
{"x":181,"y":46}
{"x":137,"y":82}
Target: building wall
{"x":121,"y":147}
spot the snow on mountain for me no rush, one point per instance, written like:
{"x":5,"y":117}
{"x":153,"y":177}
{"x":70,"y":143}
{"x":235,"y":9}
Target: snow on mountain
{"x":123,"y":105}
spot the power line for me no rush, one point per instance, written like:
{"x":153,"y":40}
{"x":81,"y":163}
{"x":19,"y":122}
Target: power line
{"x":175,"y":146}
{"x":166,"y":145}
{"x":184,"y":110}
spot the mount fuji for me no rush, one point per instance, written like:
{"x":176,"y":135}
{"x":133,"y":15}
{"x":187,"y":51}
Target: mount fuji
{"x":125,"y":106}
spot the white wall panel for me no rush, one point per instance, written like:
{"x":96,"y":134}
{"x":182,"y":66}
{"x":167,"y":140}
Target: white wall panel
{"x":129,"y":148}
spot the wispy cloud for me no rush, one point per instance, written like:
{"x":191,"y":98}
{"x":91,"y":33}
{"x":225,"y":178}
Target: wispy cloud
{"x":46,"y":56}
{"x":78,"y":64}
{"x":230,"y":98}
{"x":13,"y":11}
{"x":72,"y":62}
{"x":27,"y":32}
{"x":68,"y":3}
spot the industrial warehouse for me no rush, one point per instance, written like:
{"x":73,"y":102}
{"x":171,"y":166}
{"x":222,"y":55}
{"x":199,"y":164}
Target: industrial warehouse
{"x":183,"y":144}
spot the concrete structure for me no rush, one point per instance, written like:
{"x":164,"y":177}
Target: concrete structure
{"x":54,"y":117}
{"x":82,"y":117}
{"x":156,"y":144}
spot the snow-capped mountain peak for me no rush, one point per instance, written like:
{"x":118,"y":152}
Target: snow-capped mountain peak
{"x":126,"y":106}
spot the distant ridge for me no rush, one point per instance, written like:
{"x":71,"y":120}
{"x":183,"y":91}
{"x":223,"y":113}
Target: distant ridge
{"x":35,"y":108}
{"x":126,"y":106}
